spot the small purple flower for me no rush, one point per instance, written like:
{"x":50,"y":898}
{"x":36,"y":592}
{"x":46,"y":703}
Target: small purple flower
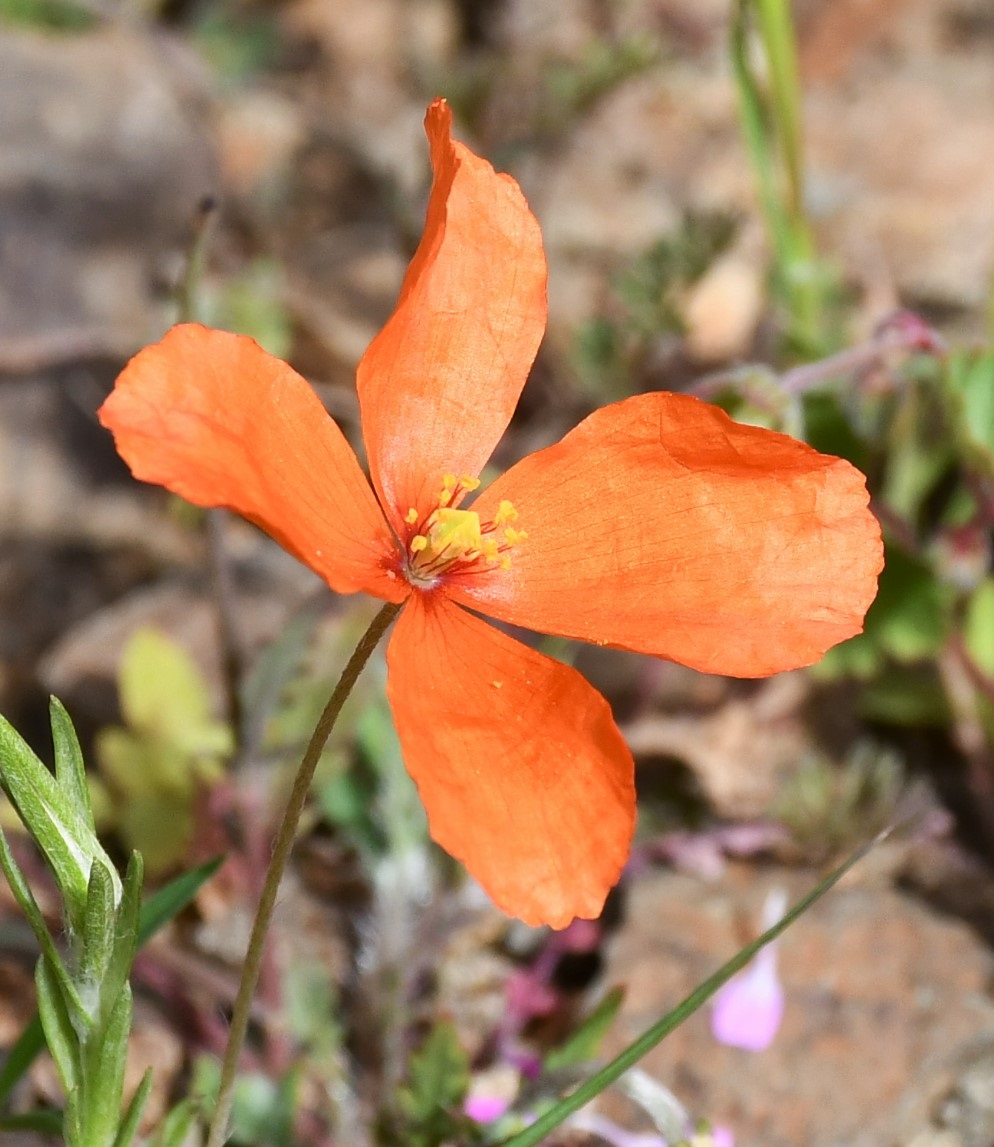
{"x":749,"y":1008}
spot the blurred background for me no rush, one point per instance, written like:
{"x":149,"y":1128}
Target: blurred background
{"x":787,"y":210}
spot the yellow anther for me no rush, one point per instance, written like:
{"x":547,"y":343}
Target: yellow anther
{"x":455,"y":540}
{"x":505,"y":513}
{"x":454,"y":488}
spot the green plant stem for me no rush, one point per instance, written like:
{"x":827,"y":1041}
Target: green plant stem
{"x":281,"y":853}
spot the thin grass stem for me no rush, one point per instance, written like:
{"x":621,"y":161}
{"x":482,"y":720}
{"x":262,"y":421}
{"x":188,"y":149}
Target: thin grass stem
{"x":277,"y":866}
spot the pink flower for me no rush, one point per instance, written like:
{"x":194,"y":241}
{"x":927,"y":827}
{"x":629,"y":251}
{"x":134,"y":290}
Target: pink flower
{"x":749,"y":1008}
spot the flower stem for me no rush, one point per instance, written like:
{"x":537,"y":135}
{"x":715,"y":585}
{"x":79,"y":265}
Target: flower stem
{"x":281,"y":853}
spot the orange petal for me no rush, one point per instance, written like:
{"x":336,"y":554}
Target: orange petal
{"x":439,"y":383}
{"x":519,"y":763}
{"x":662,"y":526}
{"x":214,"y":418}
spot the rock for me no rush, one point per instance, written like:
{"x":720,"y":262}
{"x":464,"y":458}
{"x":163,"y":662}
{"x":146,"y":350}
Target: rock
{"x":882,"y":996}
{"x":104,"y":156}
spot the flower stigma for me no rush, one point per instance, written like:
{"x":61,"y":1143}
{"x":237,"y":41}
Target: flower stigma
{"x":451,"y":540}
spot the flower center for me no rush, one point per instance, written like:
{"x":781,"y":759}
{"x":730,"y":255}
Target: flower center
{"x":451,"y":540}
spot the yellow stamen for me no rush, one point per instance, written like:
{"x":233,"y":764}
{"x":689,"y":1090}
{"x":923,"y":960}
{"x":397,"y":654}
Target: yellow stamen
{"x":455,"y":540}
{"x":505,"y":513}
{"x":453,"y":489}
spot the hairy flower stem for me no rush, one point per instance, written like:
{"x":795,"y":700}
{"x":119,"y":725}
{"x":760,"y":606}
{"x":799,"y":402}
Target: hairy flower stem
{"x":281,"y":853}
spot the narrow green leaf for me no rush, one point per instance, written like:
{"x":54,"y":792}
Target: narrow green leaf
{"x":970,"y":385}
{"x":157,"y":911}
{"x":97,"y":939}
{"x":168,"y":902}
{"x":756,"y":131}
{"x":125,"y":930}
{"x":70,"y":770}
{"x":30,"y":1043}
{"x":102,"y":1070}
{"x":582,"y":1045}
{"x":174,"y":1130}
{"x":438,"y":1079}
{"x":129,"y":1124}
{"x":60,"y":1035}
{"x":48,"y":1121}
{"x":45,"y":810}
{"x":72,"y":1118}
{"x":25,"y":898}
{"x":22,"y":892}
{"x":777,"y":31}
{"x":593,"y":1086}
{"x":978,"y":626}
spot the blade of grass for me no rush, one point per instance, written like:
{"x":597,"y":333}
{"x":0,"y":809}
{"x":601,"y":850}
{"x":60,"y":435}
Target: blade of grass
{"x":777,"y":30}
{"x":158,"y":910}
{"x":757,"y":133}
{"x":593,"y":1086}
{"x":45,"y":1122}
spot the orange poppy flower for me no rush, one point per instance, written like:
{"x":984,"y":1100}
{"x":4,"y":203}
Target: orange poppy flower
{"x":658,"y":525}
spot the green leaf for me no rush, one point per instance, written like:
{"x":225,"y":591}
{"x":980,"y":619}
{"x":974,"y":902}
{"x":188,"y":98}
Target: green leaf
{"x":46,"y":1121}
{"x":537,"y":1131}
{"x":911,"y":616}
{"x":157,"y":911}
{"x":70,"y":770}
{"x":168,"y":902}
{"x":160,"y":827}
{"x":125,"y":930}
{"x":21,"y":1056}
{"x":102,"y":1073}
{"x":908,"y":622}
{"x":908,"y":695}
{"x":98,"y":936}
{"x":58,"y":826}
{"x":438,"y":1080}
{"x":252,"y":304}
{"x":583,"y":1044}
{"x":175,"y":1129}
{"x":970,"y":386}
{"x":59,"y":1033}
{"x":165,"y":697}
{"x":29,"y":906}
{"x":978,"y":626}
{"x":52,"y":15}
{"x":129,"y":1124}
{"x":919,"y":450}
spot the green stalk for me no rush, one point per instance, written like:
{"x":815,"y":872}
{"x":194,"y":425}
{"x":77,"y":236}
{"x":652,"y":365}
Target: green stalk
{"x":777,"y":32}
{"x":773,"y":132}
{"x":277,"y":866}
